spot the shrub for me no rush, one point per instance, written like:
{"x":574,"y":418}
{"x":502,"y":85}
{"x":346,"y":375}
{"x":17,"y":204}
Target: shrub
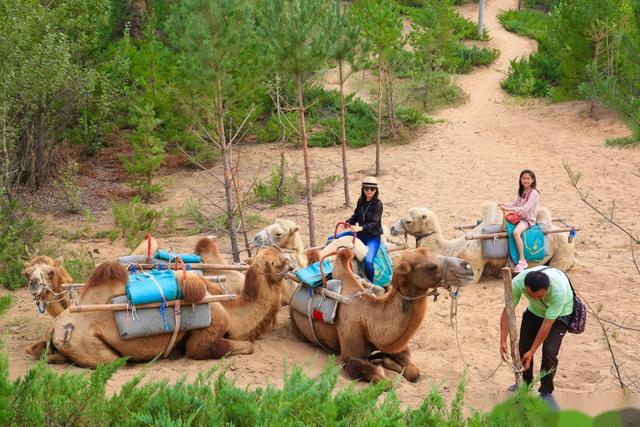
{"x":526,"y":22}
{"x":134,"y":220}
{"x":18,"y":234}
{"x":523,"y":80}
{"x":79,"y":263}
{"x":71,"y":190}
{"x":464,"y":58}
{"x":5,"y":304}
{"x":411,"y":117}
{"x":270,"y":191}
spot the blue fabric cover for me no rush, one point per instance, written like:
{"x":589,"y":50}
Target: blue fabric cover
{"x":383,"y":267}
{"x":311,"y":274}
{"x":141,"y":288}
{"x":171,"y":256}
{"x":532,"y":243}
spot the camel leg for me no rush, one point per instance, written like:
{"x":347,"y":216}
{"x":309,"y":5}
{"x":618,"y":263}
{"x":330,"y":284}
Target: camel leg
{"x":353,"y":346}
{"x":360,"y":369}
{"x":402,"y":360}
{"x":201,"y":345}
{"x":78,"y":343}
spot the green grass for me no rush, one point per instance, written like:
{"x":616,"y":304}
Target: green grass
{"x":5,"y":304}
{"x":45,"y":397}
{"x":526,"y":22}
{"x":623,"y":142}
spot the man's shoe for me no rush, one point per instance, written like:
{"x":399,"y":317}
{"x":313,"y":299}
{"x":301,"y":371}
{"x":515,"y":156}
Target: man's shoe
{"x":548,"y":398}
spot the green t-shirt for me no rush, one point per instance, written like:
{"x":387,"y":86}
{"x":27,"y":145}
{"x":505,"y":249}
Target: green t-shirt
{"x":558,"y":300}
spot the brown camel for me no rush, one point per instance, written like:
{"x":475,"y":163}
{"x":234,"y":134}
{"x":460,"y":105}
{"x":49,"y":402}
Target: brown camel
{"x":92,"y":337}
{"x":45,"y":279}
{"x":384,"y":323}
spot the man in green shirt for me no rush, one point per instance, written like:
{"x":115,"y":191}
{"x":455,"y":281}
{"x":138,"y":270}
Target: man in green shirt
{"x":544,"y":323}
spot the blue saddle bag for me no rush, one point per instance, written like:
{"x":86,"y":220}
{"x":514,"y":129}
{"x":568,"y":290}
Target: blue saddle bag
{"x":171,"y":256}
{"x":311,"y":275}
{"x":382,"y":267}
{"x":532,"y":243}
{"x":152,"y":285}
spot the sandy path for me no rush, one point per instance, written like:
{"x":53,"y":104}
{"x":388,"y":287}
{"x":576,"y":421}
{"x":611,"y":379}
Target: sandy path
{"x":475,"y":155}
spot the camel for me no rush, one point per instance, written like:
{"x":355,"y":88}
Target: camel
{"x":91,"y":338}
{"x":385,"y":323}
{"x":208,"y":250}
{"x":45,"y":279}
{"x":423,"y":223}
{"x":284,"y":234}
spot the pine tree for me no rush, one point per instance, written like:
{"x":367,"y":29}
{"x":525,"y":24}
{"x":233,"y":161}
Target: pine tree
{"x":298,"y":35}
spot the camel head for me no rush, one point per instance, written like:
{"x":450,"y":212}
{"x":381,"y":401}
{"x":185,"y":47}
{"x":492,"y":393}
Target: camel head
{"x":419,"y":270}
{"x":268,"y":267}
{"x":283,"y":233}
{"x":45,"y":279}
{"x":419,"y":222}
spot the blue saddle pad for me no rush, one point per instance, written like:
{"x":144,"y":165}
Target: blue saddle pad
{"x":171,"y":256}
{"x":311,"y":275}
{"x":532,"y":243}
{"x":382,"y":267}
{"x":146,"y":287}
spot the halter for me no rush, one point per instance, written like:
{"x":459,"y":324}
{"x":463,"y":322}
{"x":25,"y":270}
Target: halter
{"x":418,"y":236}
{"x":58,"y":296}
{"x":433,"y":291}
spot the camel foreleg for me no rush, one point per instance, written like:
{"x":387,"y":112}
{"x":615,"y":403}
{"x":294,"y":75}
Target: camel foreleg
{"x":360,"y":369}
{"x":401,"y":362}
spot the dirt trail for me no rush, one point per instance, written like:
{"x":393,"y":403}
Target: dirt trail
{"x":453,"y":167}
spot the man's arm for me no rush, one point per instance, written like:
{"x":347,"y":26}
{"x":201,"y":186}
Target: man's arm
{"x":542,"y":335}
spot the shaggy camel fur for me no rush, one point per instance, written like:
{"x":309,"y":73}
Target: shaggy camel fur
{"x":92,"y":337}
{"x":386,"y":323}
{"x":284,"y":234}
{"x":208,"y":250}
{"x":45,"y":279}
{"x":425,"y":226}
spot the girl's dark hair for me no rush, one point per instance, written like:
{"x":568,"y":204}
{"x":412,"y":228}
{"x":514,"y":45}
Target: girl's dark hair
{"x":533,"y":184}
{"x":363,"y":197}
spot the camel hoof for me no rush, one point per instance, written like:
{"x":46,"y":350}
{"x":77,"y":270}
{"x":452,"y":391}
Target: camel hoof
{"x":411,"y":374}
{"x":36,"y":350}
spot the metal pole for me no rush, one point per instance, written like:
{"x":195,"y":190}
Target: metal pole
{"x":481,"y":19}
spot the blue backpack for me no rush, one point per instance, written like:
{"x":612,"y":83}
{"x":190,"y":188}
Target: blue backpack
{"x":532,"y":243}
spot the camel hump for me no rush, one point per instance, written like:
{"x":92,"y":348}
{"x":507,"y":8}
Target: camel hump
{"x":205,"y":245}
{"x":193,"y":287}
{"x":107,"y":272}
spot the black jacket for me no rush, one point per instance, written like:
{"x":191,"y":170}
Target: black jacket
{"x":369,"y":216}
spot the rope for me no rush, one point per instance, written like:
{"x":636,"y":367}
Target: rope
{"x":453,"y":319}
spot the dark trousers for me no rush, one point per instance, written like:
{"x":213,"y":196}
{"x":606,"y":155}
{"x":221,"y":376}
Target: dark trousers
{"x":550,"y":348}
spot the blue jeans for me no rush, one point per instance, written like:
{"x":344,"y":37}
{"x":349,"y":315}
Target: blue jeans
{"x":372,"y":243}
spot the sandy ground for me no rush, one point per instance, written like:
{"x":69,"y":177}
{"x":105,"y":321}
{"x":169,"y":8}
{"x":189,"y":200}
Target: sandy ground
{"x":472,"y":156}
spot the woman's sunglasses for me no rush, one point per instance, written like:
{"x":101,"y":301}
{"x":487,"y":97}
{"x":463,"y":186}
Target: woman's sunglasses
{"x":365,"y":188}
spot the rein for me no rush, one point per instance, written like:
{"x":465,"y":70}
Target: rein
{"x":418,"y":236}
{"x":58,"y":296}
{"x":433,"y":291}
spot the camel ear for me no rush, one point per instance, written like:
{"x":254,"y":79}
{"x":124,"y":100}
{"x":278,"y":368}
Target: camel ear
{"x":402,"y":267}
{"x":27,"y":272}
{"x":295,"y":229}
{"x":58,"y":262}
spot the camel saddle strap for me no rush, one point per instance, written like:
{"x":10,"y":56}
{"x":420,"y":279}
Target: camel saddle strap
{"x":313,"y":332}
{"x":176,"y":329}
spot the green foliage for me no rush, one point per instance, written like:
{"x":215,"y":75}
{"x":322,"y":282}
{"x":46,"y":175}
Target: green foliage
{"x":70,"y":398}
{"x":148,"y":152}
{"x":79,"y":263}
{"x":525,"y":80}
{"x":133,"y":219}
{"x":71,"y":190}
{"x":411,"y":117}
{"x":5,"y":304}
{"x":18,"y":234}
{"x":291,"y":190}
{"x":465,"y":58}
{"x":526,"y":22}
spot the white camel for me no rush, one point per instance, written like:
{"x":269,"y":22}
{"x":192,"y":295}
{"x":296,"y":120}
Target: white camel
{"x":423,"y":224}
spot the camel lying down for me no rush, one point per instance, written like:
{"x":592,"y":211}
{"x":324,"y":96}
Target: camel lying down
{"x":386,"y":323}
{"x":90,"y":338}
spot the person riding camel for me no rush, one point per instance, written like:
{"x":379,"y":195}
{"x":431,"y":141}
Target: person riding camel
{"x":367,"y":222}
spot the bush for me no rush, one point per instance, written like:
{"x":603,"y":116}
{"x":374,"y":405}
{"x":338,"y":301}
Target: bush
{"x":464,"y":58}
{"x":524,"y":80}
{"x":411,"y":117}
{"x":78,"y":399}
{"x":18,"y":234}
{"x":5,"y":304}
{"x":79,"y":263}
{"x":134,"y":220}
{"x":71,"y":190}
{"x":292,"y":189}
{"x":529,"y":23}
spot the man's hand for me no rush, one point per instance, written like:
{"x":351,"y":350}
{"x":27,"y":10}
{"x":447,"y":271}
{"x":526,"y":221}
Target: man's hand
{"x":503,"y":350}
{"x":526,"y":360}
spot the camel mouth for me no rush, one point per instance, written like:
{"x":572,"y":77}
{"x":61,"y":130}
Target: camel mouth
{"x":36,"y":289}
{"x":459,"y":269}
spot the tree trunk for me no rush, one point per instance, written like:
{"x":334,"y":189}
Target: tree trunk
{"x":240,"y":212}
{"x":283,"y":144}
{"x":379,"y":131}
{"x":345,"y":170}
{"x":226,"y":167}
{"x":481,"y":18}
{"x":305,"y":153}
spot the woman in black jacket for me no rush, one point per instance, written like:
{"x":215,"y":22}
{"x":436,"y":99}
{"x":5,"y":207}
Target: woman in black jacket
{"x":367,"y":221}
